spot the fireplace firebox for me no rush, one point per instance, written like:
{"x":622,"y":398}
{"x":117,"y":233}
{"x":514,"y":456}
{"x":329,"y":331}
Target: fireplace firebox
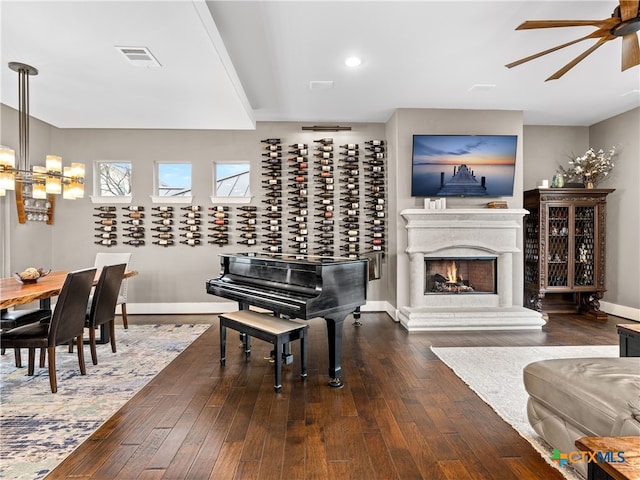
{"x":455,"y":275}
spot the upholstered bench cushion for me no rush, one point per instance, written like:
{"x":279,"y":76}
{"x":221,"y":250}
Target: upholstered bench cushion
{"x":596,"y":395}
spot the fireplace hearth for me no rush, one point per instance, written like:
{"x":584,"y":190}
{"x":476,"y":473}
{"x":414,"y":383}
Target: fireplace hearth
{"x":465,"y":268}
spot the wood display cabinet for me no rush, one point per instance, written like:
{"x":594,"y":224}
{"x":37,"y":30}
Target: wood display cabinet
{"x":564,"y":250}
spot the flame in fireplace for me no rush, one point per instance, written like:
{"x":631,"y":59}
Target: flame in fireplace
{"x":452,"y":272}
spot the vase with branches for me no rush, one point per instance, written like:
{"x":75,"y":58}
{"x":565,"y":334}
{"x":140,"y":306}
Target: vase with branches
{"x":590,"y":168}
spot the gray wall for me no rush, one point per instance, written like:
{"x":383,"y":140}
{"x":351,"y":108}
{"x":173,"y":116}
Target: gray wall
{"x":407,"y":122}
{"x":177,"y":274}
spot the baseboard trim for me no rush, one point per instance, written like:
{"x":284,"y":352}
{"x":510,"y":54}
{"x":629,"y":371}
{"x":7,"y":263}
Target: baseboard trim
{"x":216,"y":307}
{"x":621,"y":311}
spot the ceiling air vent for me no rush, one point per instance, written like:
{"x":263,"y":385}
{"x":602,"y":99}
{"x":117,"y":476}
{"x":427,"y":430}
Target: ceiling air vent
{"x":139,"y":56}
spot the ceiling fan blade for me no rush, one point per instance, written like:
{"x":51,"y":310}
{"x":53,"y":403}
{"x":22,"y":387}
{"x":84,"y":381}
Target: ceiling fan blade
{"x":529,"y":24}
{"x":628,"y":9}
{"x":601,"y":32}
{"x":630,"y":51}
{"x":579,"y":58}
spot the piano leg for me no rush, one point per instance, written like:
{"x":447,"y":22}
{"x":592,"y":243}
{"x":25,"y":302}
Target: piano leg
{"x":356,"y":317}
{"x":334,"y":336}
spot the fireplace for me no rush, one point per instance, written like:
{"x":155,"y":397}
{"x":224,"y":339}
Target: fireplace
{"x":460,"y":275}
{"x":485,"y":291}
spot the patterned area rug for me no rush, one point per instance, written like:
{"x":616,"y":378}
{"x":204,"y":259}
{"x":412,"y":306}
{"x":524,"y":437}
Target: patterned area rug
{"x":495,"y":374}
{"x":39,"y":429}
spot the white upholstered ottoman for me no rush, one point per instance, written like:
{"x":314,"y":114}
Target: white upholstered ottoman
{"x":583,"y":397}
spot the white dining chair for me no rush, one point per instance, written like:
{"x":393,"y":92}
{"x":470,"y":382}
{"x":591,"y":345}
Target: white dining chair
{"x":104,"y":259}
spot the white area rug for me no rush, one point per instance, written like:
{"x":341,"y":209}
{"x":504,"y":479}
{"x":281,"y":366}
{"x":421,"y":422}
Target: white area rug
{"x":495,"y":374}
{"x":39,"y":429}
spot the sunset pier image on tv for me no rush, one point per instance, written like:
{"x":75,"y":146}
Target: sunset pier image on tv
{"x":463,"y":165}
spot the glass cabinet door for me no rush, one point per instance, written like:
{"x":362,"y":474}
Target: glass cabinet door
{"x":558,"y":247}
{"x":584,"y":246}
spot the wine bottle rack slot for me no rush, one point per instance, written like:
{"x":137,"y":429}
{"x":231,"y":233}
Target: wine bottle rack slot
{"x":324,"y":182}
{"x":375,"y":179}
{"x":163,"y":226}
{"x":107,"y":226}
{"x":299,"y":197}
{"x":190,"y":221}
{"x":219,"y":225}
{"x":272,"y":184}
{"x":350,"y":199}
{"x":134,"y":232}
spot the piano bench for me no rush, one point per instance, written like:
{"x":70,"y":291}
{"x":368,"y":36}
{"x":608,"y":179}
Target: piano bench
{"x":274,"y":330}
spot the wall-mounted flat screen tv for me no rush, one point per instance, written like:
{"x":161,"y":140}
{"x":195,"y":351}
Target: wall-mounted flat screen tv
{"x":463,"y":165}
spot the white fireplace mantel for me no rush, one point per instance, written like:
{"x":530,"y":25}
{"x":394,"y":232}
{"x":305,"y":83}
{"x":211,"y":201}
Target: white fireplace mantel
{"x":465,"y":233}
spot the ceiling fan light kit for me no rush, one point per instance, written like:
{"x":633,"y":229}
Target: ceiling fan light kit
{"x":624,"y":23}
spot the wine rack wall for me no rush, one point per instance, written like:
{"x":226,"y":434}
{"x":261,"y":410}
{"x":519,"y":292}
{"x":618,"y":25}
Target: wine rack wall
{"x":321,"y":199}
{"x":335,"y":198}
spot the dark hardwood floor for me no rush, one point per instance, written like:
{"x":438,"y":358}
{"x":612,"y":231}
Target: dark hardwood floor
{"x":401,"y":415}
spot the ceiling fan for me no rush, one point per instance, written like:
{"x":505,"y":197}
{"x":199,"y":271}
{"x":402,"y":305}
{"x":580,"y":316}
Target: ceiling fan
{"x":624,"y":22}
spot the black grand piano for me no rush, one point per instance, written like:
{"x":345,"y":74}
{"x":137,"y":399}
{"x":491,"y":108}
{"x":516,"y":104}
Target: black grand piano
{"x":297,"y":286}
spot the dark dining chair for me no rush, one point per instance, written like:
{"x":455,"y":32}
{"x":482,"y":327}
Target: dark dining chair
{"x":103,"y":305}
{"x":66,"y":324}
{"x":10,"y":319}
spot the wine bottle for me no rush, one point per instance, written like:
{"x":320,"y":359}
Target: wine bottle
{"x":219,"y":228}
{"x":190,"y":235}
{"x":324,"y":242}
{"x":324,"y":155}
{"x":272,"y":181}
{"x":249,"y":235}
{"x":248,"y":221}
{"x":134,"y":242}
{"x":105,"y":228}
{"x":375,"y":156}
{"x":195,"y":215}
{"x":191,"y":208}
{"x":190,"y":221}
{"x":190,"y":241}
{"x":108,"y":243}
{"x":220,"y":208}
{"x":219,"y":242}
{"x":135,"y":215}
{"x":164,"y":221}
{"x":272,"y":147}
{"x":324,"y":148}
{"x":105,"y":209}
{"x":273,"y":235}
{"x":375,"y":143}
{"x":299,"y":152}
{"x":162,"y":229}
{"x":163,"y":208}
{"x":273,"y":228}
{"x":133,"y":221}
{"x":163,"y":236}
{"x":134,"y":235}
{"x":164,"y":243}
{"x":106,"y":221}
{"x":350,"y":153}
{"x":350,"y":146}
{"x":105,"y":215}
{"x":247,"y":229}
{"x":163,"y":215}
{"x":219,"y":215}
{"x":249,"y":241}
{"x":272,"y":201}
{"x":106,"y":235}
{"x":134,"y":208}
{"x":298,"y":145}
{"x":326,"y":141}
{"x":325,"y":222}
{"x":190,"y":228}
{"x":375,"y":149}
{"x":248,"y":208}
{"x":272,"y":155}
{"x":221,"y":221}
{"x":271,"y":141}
{"x":273,"y":249}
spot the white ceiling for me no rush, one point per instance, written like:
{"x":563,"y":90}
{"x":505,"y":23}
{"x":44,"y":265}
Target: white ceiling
{"x":228,"y":64}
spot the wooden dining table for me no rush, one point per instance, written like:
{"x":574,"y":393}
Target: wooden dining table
{"x":14,"y":293}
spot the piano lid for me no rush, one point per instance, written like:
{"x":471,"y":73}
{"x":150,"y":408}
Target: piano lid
{"x":291,"y":257}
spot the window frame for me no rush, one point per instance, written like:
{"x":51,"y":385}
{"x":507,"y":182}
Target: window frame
{"x":240,"y":199}
{"x":156,"y":197}
{"x":97,"y":198}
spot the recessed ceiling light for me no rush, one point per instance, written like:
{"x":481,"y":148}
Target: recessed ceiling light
{"x":352,"y":62}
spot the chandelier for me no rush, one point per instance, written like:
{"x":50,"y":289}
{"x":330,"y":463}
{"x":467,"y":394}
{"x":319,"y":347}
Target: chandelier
{"x":50,"y":179}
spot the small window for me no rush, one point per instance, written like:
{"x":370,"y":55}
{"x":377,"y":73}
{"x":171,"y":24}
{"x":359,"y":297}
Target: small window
{"x":173,"y":179}
{"x":231,"y":179}
{"x":114,"y":179}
